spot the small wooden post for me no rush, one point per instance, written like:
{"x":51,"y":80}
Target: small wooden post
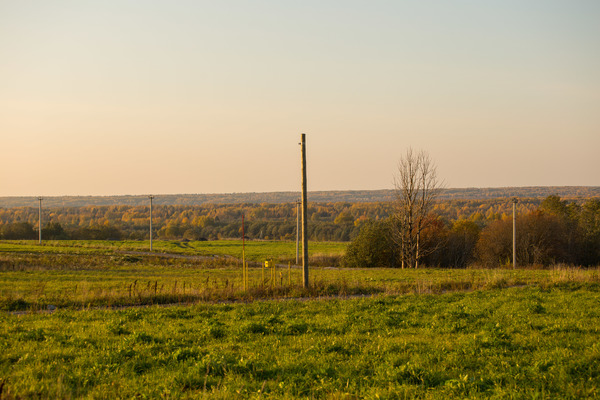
{"x":272,"y":265}
{"x":246,"y":275}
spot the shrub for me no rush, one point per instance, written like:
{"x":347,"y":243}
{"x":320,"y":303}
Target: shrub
{"x":372,"y":248}
{"x":18,"y":230}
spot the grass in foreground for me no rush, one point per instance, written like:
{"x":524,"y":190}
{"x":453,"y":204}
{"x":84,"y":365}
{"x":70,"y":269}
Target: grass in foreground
{"x":536,"y":340}
{"x":499,"y":343}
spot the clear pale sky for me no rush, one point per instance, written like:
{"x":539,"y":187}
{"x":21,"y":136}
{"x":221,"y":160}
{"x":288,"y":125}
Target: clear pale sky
{"x":132,"y":97}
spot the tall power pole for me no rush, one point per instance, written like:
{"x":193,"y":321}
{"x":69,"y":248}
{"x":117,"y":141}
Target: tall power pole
{"x":304,"y":216}
{"x":40,"y":220}
{"x":298,"y":202}
{"x":515,"y":201}
{"x":151,"y":197}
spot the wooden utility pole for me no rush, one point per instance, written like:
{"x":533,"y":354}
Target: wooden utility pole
{"x":298,"y":202}
{"x":304,"y":216}
{"x":244,"y":270}
{"x":151,"y":197}
{"x":515,"y":201}
{"x":40,"y":220}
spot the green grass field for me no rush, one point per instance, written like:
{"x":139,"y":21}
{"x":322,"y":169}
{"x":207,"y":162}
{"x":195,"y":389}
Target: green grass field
{"x":418,"y":334}
{"x":499,"y":343}
{"x":103,"y":273}
{"x":100,"y":277}
{"x":257,"y":251}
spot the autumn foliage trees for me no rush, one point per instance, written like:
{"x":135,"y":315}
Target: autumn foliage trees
{"x":328,"y":222}
{"x":457,"y":233}
{"x":557,"y":231}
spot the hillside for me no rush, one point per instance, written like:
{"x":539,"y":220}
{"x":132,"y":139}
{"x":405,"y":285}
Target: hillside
{"x":347,"y":196}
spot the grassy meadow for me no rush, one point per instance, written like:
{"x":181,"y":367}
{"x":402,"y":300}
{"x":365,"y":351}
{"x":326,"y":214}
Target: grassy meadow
{"x":500,"y":343}
{"x":430,"y":333}
{"x":114,"y":274}
{"x":256,"y":250}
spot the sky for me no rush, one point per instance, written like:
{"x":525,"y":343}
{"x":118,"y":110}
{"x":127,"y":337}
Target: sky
{"x":135,"y":97}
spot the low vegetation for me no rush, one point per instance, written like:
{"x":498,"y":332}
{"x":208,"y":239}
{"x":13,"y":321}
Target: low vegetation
{"x":530,"y":342}
{"x":106,"y":274}
{"x":87,"y":320}
{"x":258,"y":251}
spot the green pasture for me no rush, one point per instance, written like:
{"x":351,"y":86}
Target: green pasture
{"x":99,"y":274}
{"x":104,"y":273}
{"x":527,"y":342}
{"x":257,"y":251}
{"x":355,"y":333}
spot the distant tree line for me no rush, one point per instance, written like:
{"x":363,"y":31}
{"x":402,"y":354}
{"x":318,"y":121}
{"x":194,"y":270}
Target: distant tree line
{"x":55,"y":231}
{"x":339,"y":221}
{"x":328,"y":222}
{"x":558,"y":231}
{"x":334,"y":196}
{"x":457,"y":232}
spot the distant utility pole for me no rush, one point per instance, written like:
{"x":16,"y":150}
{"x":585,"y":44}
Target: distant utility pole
{"x":298,"y":202}
{"x":151,"y":197}
{"x":515,"y":201}
{"x":304,"y":216}
{"x":244,"y":269}
{"x":40,"y":198}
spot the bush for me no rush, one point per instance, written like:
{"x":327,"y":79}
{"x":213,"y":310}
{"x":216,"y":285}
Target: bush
{"x":372,"y":248}
{"x":449,"y":246}
{"x":96,"y":233}
{"x":540,"y":240}
{"x":18,"y":230}
{"x":54,"y":231}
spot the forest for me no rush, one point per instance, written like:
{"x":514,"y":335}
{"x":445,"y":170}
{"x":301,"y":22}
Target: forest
{"x":340,"y":221}
{"x":331,"y":196}
{"x":554,"y":232}
{"x":459,"y":232}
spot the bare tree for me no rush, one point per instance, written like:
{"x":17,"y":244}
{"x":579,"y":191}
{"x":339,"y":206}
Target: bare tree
{"x":416,"y":188}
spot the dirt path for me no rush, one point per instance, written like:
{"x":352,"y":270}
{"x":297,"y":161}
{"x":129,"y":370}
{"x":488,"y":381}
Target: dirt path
{"x":198,"y":257}
{"x":172,"y":255}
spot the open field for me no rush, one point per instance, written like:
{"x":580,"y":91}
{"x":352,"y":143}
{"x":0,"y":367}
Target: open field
{"x":500,"y":343}
{"x":99,"y":274}
{"x":257,"y":251}
{"x":430,"y":333}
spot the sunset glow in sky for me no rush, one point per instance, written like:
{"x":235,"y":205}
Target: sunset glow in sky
{"x":133,"y":97}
